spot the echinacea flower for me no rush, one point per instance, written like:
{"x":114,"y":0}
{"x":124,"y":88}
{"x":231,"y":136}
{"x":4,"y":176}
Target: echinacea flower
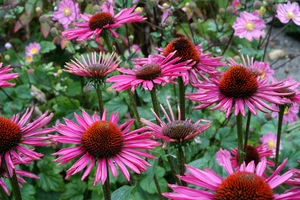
{"x":33,"y":49}
{"x":249,"y":182}
{"x":219,"y":155}
{"x":270,"y":139}
{"x":19,"y":174}
{"x":175,"y":130}
{"x":253,"y":153}
{"x":95,"y":66}
{"x":290,"y":113}
{"x":14,"y":134}
{"x":104,"y":144}
{"x":67,"y":12}
{"x":294,"y":97}
{"x":239,"y":87}
{"x":148,"y":72}
{"x":6,"y":76}
{"x":289,"y":11}
{"x":202,"y":63}
{"x":105,"y":20}
{"x":249,"y":26}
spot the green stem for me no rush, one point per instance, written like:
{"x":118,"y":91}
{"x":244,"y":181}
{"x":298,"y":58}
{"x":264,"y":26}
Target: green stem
{"x":13,"y":182}
{"x":100,"y":99}
{"x":3,"y":194}
{"x":135,"y":110}
{"x":154,"y":103}
{"x":107,"y":41}
{"x":106,"y":186}
{"x":247,"y":131}
{"x":280,"y":118}
{"x":157,"y":187}
{"x":173,"y":170}
{"x":181,"y":98}
{"x":239,"y":126}
{"x":181,"y":162}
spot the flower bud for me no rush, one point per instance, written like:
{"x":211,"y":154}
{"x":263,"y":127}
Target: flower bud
{"x":221,"y":10}
{"x":257,"y":5}
{"x":54,"y":32}
{"x":291,"y":55}
{"x":7,"y":57}
{"x":38,"y":9}
{"x":268,"y":116}
{"x":229,"y":10}
{"x":7,"y":45}
{"x":224,"y":40}
{"x":97,"y":8}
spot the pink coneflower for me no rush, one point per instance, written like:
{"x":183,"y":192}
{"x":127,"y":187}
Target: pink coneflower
{"x":202,"y":63}
{"x":6,"y":76}
{"x":253,"y":153}
{"x":33,"y":49}
{"x":175,"y":130}
{"x":249,"y":26}
{"x":94,"y":66}
{"x":293,"y":85}
{"x":289,"y":11}
{"x":102,"y":142}
{"x":270,"y":139}
{"x":248,"y":182}
{"x":290,"y":113}
{"x":14,"y":134}
{"x":19,"y":174}
{"x":148,"y":72}
{"x":105,"y":20}
{"x":219,"y":156}
{"x":67,"y":12}
{"x":239,"y":87}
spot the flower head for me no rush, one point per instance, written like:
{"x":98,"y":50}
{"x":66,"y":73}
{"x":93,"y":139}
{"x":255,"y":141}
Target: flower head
{"x":248,"y":26}
{"x":290,"y":113}
{"x":236,"y":4}
{"x":5,"y":76}
{"x":148,"y":72}
{"x":101,"y":142}
{"x":262,"y":70}
{"x":269,"y":141}
{"x":14,"y":134}
{"x":33,"y":49}
{"x":202,"y":63}
{"x":95,"y":66}
{"x":105,"y":20}
{"x":67,"y":12}
{"x":294,"y":97}
{"x":175,"y":130}
{"x":246,"y":183}
{"x":239,"y":87}
{"x":289,"y":11}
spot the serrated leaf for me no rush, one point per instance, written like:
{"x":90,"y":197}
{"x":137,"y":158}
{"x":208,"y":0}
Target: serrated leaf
{"x":122,"y":193}
{"x":118,"y":106}
{"x":23,"y":92}
{"x":51,"y":182}
{"x":27,"y":192}
{"x":47,"y":46}
{"x":74,"y":191}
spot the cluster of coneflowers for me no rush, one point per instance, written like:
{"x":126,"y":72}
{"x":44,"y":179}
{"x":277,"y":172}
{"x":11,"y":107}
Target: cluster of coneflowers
{"x":101,"y":142}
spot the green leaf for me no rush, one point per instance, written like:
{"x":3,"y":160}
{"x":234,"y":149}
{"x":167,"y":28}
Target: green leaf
{"x":74,"y":88}
{"x":47,"y":46}
{"x":23,"y":91}
{"x":122,"y":193}
{"x":118,"y":106}
{"x":74,"y":191}
{"x":50,"y":182}
{"x":27,"y":192}
{"x":29,"y":6}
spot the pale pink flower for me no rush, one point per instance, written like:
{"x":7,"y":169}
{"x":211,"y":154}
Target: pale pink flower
{"x":249,"y":182}
{"x":33,"y":49}
{"x":262,"y":70}
{"x":67,"y":12}
{"x":6,"y":76}
{"x":93,"y":25}
{"x":148,"y":72}
{"x":104,"y":144}
{"x":166,"y":8}
{"x":270,"y":139}
{"x":290,"y":113}
{"x":249,"y":26}
{"x":14,"y":134}
{"x":289,"y":11}
{"x":175,"y":130}
{"x":236,"y":4}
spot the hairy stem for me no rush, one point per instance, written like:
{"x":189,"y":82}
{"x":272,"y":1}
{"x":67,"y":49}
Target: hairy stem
{"x":280,"y":118}
{"x":239,"y":126}
{"x":181,"y":98}
{"x":247,"y":131}
{"x":135,"y":110}
{"x":181,"y":162}
{"x":106,"y":186}
{"x":100,"y":99}
{"x":13,"y":182}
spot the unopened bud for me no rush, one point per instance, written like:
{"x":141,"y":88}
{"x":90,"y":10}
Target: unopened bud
{"x":54,"y":32}
{"x":169,"y":21}
{"x":139,"y":9}
{"x":110,"y":90}
{"x":30,"y":71}
{"x":131,"y":37}
{"x":43,"y":19}
{"x":275,"y":6}
{"x":221,"y":10}
{"x":291,"y":55}
{"x":7,"y":45}
{"x":59,"y":72}
{"x":268,"y":116}
{"x":224,"y":40}
{"x":38,"y":9}
{"x":257,"y":5}
{"x":194,"y":26}
{"x":7,"y":57}
{"x":97,"y":8}
{"x":229,"y":10}
{"x":192,"y":5}
{"x":166,"y":5}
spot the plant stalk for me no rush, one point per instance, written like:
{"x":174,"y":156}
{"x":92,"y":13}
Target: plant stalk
{"x":239,"y":126}
{"x":100,"y":99}
{"x":3,"y":194}
{"x":279,"y":128}
{"x":106,"y":186}
{"x":13,"y":182}
{"x":135,"y":110}
{"x":181,"y":162}
{"x":181,"y":98}
{"x":247,"y":131}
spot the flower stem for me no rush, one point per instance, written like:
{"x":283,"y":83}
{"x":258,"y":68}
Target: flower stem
{"x":100,"y":99}
{"x":107,"y":41}
{"x":106,"y":186}
{"x":247,"y":131}
{"x":239,"y":126}
{"x":173,"y":170}
{"x":135,"y":110}
{"x":280,"y":118}
{"x":181,"y":162}
{"x":13,"y":182}
{"x":181,"y":98}
{"x":3,"y":194}
{"x":154,"y":102}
